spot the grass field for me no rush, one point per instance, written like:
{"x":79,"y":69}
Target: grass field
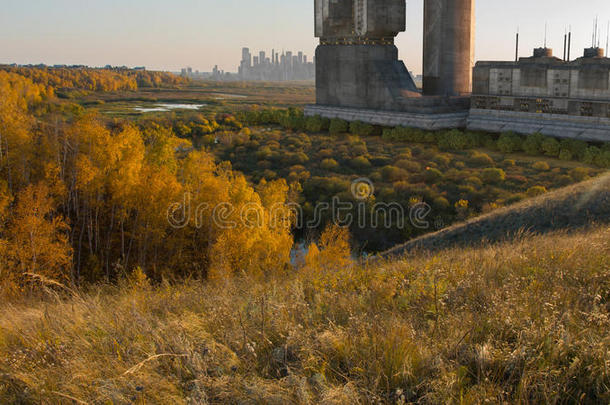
{"x":521,"y":322}
{"x":217,"y":97}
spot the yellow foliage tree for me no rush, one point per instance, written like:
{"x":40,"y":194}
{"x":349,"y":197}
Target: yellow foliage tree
{"x":333,"y":252}
{"x":38,"y":242}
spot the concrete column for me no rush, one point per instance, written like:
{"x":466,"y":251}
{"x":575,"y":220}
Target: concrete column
{"x":448,"y":47}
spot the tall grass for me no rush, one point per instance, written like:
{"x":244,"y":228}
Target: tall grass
{"x":523,"y":322}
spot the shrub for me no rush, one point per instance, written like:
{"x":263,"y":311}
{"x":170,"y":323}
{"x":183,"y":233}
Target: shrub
{"x":433,"y":175}
{"x":455,"y":140}
{"x":579,"y":174}
{"x":325,"y":153}
{"x":316,"y":123}
{"x":329,"y":164}
{"x":509,"y":162}
{"x":403,"y":134}
{"x":603,"y":159}
{"x":576,"y":147}
{"x":565,"y":154}
{"x":493,"y":175}
{"x":441,"y":203}
{"x":269,"y":174}
{"x":536,"y":191}
{"x":542,"y":166}
{"x":532,"y":145}
{"x":551,"y":147}
{"x":475,"y":181}
{"x":360,"y":128}
{"x":393,"y":173}
{"x":360,"y":162}
{"x":359,"y":149}
{"x":509,"y":142}
{"x":442,"y":160}
{"x":408,"y":165}
{"x":481,"y":159}
{"x":338,"y":126}
{"x":591,"y":155}
{"x":379,"y":161}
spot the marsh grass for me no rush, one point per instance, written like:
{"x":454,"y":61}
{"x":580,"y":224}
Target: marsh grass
{"x":520,"y":322}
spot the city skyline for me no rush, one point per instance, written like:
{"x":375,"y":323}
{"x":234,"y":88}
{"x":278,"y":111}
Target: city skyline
{"x":202,"y":33}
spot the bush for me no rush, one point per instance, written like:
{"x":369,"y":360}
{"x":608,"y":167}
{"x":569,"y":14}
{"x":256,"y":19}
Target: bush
{"x":360,"y":162}
{"x":408,"y":165}
{"x":509,"y":142}
{"x":551,"y":147}
{"x":493,"y":175}
{"x":474,"y":181}
{"x":393,"y":173}
{"x":360,"y":128}
{"x":455,"y":140}
{"x":579,"y":174}
{"x":536,"y":191}
{"x":403,"y":134}
{"x":565,"y":154}
{"x":316,"y":123}
{"x":329,"y":164}
{"x":603,"y":159}
{"x":576,"y":147}
{"x":433,"y":175}
{"x":338,"y":126}
{"x":542,"y":166}
{"x":591,"y":155}
{"x":533,"y":144}
{"x":441,"y":203}
{"x":481,"y":159}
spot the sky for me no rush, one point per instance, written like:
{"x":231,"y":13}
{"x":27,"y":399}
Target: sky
{"x":171,"y":34}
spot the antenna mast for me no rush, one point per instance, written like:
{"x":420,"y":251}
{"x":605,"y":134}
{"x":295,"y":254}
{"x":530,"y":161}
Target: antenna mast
{"x":517,"y":47}
{"x":569,"y":42}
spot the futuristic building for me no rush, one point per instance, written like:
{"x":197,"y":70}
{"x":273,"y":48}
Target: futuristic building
{"x":544,"y":94}
{"x":360,"y":78}
{"x":359,"y":75}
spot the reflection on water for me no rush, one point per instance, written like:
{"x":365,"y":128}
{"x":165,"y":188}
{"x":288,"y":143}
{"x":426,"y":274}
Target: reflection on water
{"x":164,"y":107}
{"x":224,"y":96}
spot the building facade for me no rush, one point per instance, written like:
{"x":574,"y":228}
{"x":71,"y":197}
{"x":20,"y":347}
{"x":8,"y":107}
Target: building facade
{"x":544,"y":94}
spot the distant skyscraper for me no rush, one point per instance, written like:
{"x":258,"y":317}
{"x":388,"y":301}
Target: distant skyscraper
{"x":287,"y":66}
{"x":246,"y":57}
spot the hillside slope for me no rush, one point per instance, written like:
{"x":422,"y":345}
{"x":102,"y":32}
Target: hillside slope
{"x":522,"y":322}
{"x":570,"y":208}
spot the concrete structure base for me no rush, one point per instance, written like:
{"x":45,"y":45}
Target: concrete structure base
{"x":557,"y":125}
{"x":392,"y":118}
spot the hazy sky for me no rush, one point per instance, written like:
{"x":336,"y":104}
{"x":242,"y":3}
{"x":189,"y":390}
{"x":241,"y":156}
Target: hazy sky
{"x":170,"y":34}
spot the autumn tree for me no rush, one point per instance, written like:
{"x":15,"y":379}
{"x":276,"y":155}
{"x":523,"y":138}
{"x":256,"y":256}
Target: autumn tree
{"x":38,"y":237}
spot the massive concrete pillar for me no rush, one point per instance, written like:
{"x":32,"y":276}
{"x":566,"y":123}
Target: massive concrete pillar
{"x":448,"y":47}
{"x":357,"y":62}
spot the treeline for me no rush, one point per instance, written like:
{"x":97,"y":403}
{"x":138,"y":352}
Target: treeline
{"x":91,"y":79}
{"x":83,"y":201}
{"x":508,"y":142}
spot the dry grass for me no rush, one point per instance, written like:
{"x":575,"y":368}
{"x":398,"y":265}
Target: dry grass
{"x":570,"y":208}
{"x":524,"y":322}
